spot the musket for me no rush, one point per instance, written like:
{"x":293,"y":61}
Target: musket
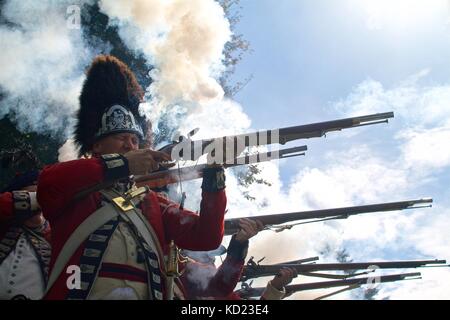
{"x":187,"y":149}
{"x":248,"y":292}
{"x":254,"y":270}
{"x":310,"y":260}
{"x":163,"y":178}
{"x":299,"y":261}
{"x":274,"y":221}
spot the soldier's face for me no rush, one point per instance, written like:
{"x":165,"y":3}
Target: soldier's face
{"x":120,"y":143}
{"x":32,"y":188}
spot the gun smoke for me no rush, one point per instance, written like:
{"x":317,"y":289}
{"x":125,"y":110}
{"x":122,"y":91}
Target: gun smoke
{"x":42,"y":65}
{"x":183,"y":40}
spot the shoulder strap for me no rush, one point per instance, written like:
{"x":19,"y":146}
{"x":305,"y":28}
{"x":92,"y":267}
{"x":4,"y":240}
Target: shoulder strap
{"x":81,"y":233}
{"x":142,"y":225}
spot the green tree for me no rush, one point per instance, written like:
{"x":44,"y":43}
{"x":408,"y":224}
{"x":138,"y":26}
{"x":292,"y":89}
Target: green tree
{"x":234,"y":49}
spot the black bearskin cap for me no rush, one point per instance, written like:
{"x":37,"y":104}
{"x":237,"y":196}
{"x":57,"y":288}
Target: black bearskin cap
{"x":109,"y":82}
{"x":22,"y":180}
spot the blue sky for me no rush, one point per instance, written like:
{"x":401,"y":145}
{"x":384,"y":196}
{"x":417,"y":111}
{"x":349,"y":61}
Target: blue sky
{"x":308,"y":55}
{"x":317,"y":52}
{"x":314,"y":61}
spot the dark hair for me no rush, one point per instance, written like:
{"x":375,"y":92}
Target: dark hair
{"x":22,"y":180}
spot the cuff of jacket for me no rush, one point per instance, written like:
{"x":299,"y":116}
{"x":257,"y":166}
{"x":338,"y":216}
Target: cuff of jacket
{"x":25,"y":206}
{"x":33,"y":201}
{"x":272,"y":293}
{"x":116,"y":166}
{"x":237,"y":249}
{"x":213,"y":179}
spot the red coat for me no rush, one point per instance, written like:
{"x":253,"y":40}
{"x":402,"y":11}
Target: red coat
{"x":220,"y":286}
{"x":6,"y":206}
{"x":6,"y":212}
{"x":7,"y":215}
{"x":59,"y":183}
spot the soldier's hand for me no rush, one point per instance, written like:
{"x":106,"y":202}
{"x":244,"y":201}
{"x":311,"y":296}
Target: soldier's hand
{"x":248,"y":228}
{"x":35,"y":221}
{"x":144,"y":161}
{"x":284,"y":277}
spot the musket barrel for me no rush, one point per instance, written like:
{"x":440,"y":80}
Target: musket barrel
{"x":192,"y":149}
{"x":232,"y":225}
{"x":359,"y":265}
{"x":290,"y":289}
{"x":316,"y":130}
{"x":162,"y":178}
{"x":348,"y":282}
{"x":299,"y":261}
{"x":311,"y":130}
{"x":254,"y":271}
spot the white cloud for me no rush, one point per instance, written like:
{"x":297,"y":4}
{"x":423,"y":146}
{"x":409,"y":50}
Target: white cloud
{"x":415,"y":104}
{"x":421,"y":154}
{"x":430,"y":238}
{"x":432,"y":286}
{"x":423,"y":112}
{"x":426,"y":149}
{"x":357,"y":176}
{"x":402,"y":15}
{"x":433,"y":238}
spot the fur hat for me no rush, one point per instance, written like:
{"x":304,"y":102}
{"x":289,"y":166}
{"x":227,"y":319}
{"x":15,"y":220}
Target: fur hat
{"x":109,"y":103}
{"x":22,"y":180}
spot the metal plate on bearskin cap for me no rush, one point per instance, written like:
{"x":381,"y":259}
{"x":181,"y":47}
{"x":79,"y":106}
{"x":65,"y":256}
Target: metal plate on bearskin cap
{"x":118,"y":119}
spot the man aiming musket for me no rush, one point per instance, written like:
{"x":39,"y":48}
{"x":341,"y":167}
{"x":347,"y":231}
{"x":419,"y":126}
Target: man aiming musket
{"x":226,"y":150}
{"x":120,"y":249}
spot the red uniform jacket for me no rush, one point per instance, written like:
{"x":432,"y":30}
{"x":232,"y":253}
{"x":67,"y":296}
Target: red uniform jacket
{"x":6,"y":206}
{"x":59,"y":183}
{"x":219,"y":286}
{"x":6,"y":212}
{"x":8,"y":215}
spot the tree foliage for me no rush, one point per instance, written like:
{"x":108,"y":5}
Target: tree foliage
{"x":234,"y":49}
{"x":104,"y":38}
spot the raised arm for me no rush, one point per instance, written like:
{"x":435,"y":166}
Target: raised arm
{"x":204,"y":231}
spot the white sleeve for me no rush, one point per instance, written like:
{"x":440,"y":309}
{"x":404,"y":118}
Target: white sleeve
{"x":33,"y":201}
{"x":272,"y":293}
